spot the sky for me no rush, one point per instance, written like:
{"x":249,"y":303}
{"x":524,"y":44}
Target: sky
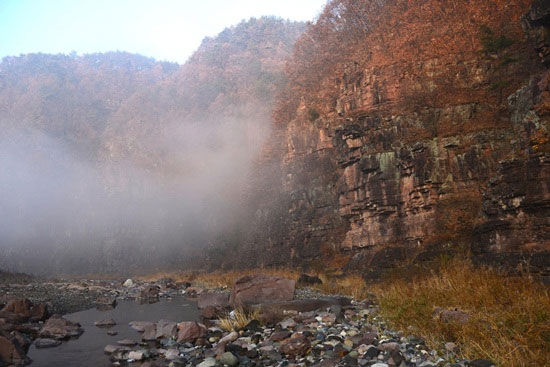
{"x":168,"y":30}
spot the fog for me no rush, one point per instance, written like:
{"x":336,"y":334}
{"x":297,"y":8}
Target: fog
{"x":64,"y":211}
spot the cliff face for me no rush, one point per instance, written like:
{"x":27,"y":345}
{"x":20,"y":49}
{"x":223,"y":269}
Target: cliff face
{"x":434,"y":142}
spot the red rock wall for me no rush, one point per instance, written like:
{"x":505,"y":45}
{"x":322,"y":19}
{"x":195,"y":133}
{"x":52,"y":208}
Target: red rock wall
{"x":432,"y":146}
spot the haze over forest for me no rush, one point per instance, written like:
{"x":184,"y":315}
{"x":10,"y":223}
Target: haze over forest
{"x":114,"y":160}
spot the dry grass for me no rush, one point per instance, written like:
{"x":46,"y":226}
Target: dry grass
{"x":239,"y":319}
{"x":348,"y":285}
{"x":219,"y":279}
{"x":510,"y":317}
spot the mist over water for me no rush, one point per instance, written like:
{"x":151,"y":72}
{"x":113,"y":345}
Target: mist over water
{"x":63,"y":212}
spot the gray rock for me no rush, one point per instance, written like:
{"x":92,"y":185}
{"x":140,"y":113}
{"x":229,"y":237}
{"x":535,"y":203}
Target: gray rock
{"x":126,"y":342}
{"x":46,"y":343}
{"x":208,"y":362}
{"x":229,"y":359}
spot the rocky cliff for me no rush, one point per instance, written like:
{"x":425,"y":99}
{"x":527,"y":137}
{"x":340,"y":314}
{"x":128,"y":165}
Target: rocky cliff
{"x":429,"y":141}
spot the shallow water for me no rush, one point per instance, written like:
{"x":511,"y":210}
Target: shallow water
{"x":87,"y":351}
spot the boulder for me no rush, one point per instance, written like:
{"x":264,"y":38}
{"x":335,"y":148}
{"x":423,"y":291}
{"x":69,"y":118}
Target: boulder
{"x":19,"y":306}
{"x":149,"y":332}
{"x":11,"y":351}
{"x":261,"y":288}
{"x":190,"y":331}
{"x":59,"y":328}
{"x":24,"y":309}
{"x":128,"y":283}
{"x":213,"y":304}
{"x":166,"y":329}
{"x":150,"y":292}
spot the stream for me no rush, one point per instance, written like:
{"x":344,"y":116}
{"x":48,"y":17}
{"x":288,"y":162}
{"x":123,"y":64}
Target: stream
{"x":87,"y":351}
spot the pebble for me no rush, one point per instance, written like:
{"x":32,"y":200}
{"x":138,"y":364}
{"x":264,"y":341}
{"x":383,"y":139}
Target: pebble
{"x":229,"y":359}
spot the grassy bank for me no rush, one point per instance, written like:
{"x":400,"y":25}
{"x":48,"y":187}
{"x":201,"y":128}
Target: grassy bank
{"x":509,"y":317}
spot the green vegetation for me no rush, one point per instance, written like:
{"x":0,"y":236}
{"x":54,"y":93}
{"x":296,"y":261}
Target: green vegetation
{"x":313,"y":114}
{"x":492,"y":43}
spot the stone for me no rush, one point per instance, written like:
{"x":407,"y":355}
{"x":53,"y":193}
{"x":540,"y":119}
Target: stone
{"x":107,"y":302}
{"x":110,"y":349}
{"x":451,"y":347}
{"x":171,"y":354}
{"x":193,"y":291}
{"x":166,"y":329}
{"x":149,"y":332}
{"x":190,"y":331}
{"x":296,"y":346}
{"x":19,"y":306}
{"x":212,"y":304}
{"x":280,"y":335}
{"x":105,"y":323}
{"x":451,"y":315}
{"x":128,"y":283}
{"x":127,"y":342}
{"x":372,"y":352}
{"x":214,"y":299}
{"x":229,"y":359}
{"x":208,"y":362}
{"x":379,"y":365}
{"x":112,"y":332}
{"x":149,"y":292}
{"x":139,"y":326}
{"x":57,"y":327}
{"x":46,"y":343}
{"x":388,"y":347}
{"x":261,"y":288}
{"x":24,"y":309}
{"x":287,"y":323}
{"x":11,"y":350}
{"x":136,"y":355}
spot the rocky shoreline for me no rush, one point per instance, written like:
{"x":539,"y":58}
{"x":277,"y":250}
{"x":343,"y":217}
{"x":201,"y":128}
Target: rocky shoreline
{"x":286,"y":327}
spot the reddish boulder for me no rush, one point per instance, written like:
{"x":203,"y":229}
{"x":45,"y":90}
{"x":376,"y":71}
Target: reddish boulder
{"x":213,"y":304}
{"x":59,"y":328}
{"x":166,"y":329}
{"x":296,"y":346}
{"x":23,"y":309}
{"x":190,"y":331}
{"x":11,"y":351}
{"x":261,"y":288}
{"x":20,"y":306}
